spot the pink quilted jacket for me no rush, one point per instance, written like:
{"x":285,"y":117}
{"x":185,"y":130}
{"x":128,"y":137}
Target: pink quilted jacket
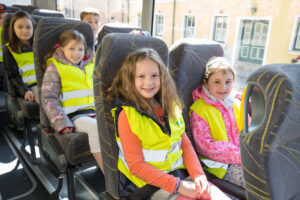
{"x":221,"y":151}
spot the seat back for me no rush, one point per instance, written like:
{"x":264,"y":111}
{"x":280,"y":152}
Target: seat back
{"x":13,"y":9}
{"x":187,"y":63}
{"x":26,"y":8}
{"x":48,"y":13}
{"x":270,"y":145}
{"x":48,"y":30}
{"x":115,"y":47}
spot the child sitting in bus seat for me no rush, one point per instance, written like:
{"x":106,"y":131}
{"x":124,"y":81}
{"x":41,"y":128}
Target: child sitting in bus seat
{"x":150,"y":131}
{"x":214,"y":118}
{"x":3,"y":11}
{"x":19,"y":61}
{"x":67,"y":90}
{"x":92,"y":16}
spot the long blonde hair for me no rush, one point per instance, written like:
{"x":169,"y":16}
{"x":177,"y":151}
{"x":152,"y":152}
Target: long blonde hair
{"x":123,"y":84}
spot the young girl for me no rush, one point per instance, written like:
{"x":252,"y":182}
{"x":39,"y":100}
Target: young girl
{"x":19,"y":62}
{"x":67,"y":90}
{"x":214,"y":120}
{"x":150,"y":130}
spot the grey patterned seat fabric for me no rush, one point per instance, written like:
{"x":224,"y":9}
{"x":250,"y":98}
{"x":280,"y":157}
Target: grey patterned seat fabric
{"x":13,"y":9}
{"x":270,"y":145}
{"x":48,"y":13}
{"x":28,"y":109}
{"x":75,"y":145}
{"x":112,"y":28}
{"x":115,"y":47}
{"x":26,"y":8}
{"x":187,"y":61}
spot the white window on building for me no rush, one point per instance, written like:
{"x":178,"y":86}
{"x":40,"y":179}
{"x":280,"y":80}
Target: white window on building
{"x":189,"y":26}
{"x":220,"y":29}
{"x":295,"y":45}
{"x":158,"y":28}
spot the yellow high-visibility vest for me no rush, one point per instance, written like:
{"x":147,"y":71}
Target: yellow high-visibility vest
{"x":160,"y":150}
{"x":25,"y":62}
{"x":1,"y":51}
{"x":217,"y":130}
{"x":77,"y":92}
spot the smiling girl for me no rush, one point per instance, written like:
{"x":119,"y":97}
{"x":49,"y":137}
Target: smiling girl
{"x":214,"y":116}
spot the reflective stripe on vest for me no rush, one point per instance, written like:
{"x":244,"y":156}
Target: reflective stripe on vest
{"x":25,"y":62}
{"x":159,"y":149}
{"x":77,"y":91}
{"x":217,"y":130}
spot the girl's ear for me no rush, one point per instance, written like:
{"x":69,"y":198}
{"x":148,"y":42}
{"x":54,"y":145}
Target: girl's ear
{"x":205,"y":82}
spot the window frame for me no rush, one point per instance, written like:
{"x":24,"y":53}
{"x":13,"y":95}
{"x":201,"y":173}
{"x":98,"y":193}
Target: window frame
{"x":162,"y":25}
{"x":213,"y":28}
{"x":184,"y":28}
{"x":295,"y":30}
{"x":235,"y":54}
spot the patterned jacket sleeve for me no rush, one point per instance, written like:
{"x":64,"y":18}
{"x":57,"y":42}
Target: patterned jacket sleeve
{"x":50,"y":100}
{"x":220,"y":151}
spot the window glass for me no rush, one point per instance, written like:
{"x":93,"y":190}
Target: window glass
{"x":121,"y":11}
{"x":17,"y":2}
{"x":220,"y":29}
{"x":189,"y":26}
{"x":158,"y":28}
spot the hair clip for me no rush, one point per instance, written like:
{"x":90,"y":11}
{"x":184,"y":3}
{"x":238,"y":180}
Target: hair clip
{"x":57,"y":45}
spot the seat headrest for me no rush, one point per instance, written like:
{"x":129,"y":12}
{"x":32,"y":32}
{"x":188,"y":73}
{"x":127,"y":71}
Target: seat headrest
{"x":116,"y":46}
{"x":115,"y":28}
{"x":13,"y":9}
{"x":48,"y":13}
{"x":26,"y":8}
{"x":6,"y":22}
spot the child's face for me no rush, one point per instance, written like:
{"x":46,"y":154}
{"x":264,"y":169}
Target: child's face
{"x":24,"y":29}
{"x":2,"y":15}
{"x":74,"y":51}
{"x":220,"y":84}
{"x":147,"y":78}
{"x":93,"y":20}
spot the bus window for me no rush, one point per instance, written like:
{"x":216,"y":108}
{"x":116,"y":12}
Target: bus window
{"x":124,"y":11}
{"x":249,"y":31}
{"x":17,"y":2}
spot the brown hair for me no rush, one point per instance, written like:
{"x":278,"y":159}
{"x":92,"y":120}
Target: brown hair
{"x":86,"y":11}
{"x":64,"y":39}
{"x":14,"y":41}
{"x":216,"y":64}
{"x":123,"y":84}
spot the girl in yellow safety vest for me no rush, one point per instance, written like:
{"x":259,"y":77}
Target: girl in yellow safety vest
{"x":214,"y":118}
{"x":18,"y":56}
{"x":150,"y":132}
{"x":67,"y":93}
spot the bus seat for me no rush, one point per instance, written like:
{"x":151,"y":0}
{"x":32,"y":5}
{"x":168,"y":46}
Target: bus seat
{"x":21,"y":113}
{"x":270,"y":144}
{"x":63,"y":152}
{"x":187,"y":61}
{"x":48,"y":13}
{"x":112,"y":28}
{"x":27,"y":8}
{"x":115,"y":47}
{"x":13,"y":9}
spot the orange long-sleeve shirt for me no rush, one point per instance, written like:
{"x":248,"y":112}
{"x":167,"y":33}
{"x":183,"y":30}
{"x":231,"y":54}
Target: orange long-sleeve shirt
{"x":135,"y":160}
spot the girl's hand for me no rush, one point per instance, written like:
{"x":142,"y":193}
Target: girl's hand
{"x":202,"y":187}
{"x":67,"y":130}
{"x":29,"y":96}
{"x":187,"y":189}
